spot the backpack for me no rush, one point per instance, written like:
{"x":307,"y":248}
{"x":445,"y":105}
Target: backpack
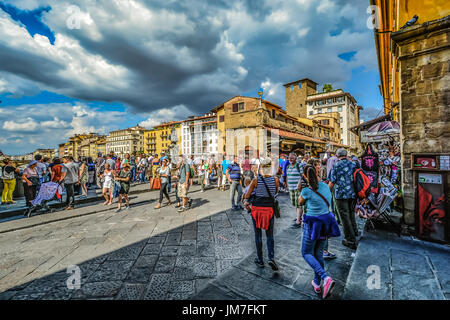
{"x":362,"y":183}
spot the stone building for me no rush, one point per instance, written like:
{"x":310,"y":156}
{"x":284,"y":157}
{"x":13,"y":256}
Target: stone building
{"x":413,"y":63}
{"x":423,"y":54}
{"x":296,"y":94}
{"x":343,"y":103}
{"x":126,"y":141}
{"x":158,"y":138}
{"x":256,"y":127}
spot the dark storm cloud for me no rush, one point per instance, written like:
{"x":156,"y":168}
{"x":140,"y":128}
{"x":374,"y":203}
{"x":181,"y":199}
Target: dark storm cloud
{"x":203,"y":53}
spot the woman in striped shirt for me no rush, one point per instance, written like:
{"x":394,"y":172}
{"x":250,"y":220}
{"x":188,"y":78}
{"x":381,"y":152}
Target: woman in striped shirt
{"x":262,"y":211}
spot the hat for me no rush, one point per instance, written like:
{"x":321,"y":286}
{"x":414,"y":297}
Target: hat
{"x":32,"y":162}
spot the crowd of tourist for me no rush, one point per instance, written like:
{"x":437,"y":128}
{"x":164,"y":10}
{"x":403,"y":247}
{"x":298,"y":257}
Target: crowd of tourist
{"x":322,"y":191}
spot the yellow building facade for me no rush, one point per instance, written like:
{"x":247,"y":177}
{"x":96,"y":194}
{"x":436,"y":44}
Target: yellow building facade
{"x":391,"y":16}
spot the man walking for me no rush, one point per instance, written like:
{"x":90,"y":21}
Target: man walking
{"x":330,"y":164}
{"x":133,"y":166}
{"x":293,"y":182}
{"x":184,"y":174}
{"x":99,"y":167}
{"x":71,"y":178}
{"x":233,"y":174}
{"x":142,"y":167}
{"x":341,"y":176}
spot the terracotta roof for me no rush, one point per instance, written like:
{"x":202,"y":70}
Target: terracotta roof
{"x":297,"y":136}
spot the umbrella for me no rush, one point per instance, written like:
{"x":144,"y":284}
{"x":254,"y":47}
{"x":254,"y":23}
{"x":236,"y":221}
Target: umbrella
{"x":384,"y":128}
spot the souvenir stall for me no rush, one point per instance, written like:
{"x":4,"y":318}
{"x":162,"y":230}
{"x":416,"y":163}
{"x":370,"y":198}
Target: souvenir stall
{"x":381,"y":163}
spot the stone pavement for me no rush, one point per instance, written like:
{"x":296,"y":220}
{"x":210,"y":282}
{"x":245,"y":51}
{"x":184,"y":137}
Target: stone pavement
{"x":141,"y":253}
{"x":405,"y":269}
{"x":292,"y":282}
{"x":15,"y":211}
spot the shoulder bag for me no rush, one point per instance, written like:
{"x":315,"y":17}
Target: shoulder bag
{"x":275,"y":204}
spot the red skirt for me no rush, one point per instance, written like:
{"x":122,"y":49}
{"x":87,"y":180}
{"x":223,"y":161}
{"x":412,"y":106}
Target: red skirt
{"x":262,"y":216}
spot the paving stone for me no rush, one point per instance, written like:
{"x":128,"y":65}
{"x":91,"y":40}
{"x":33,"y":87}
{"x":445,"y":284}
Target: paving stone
{"x":59,"y":293}
{"x":6,"y":295}
{"x":126,"y":253}
{"x":189,"y":235}
{"x":39,"y":285}
{"x":157,"y":239}
{"x":158,"y":287}
{"x":176,"y":230}
{"x":182,"y":286}
{"x":188,"y":242}
{"x":146,"y":261}
{"x":152,"y":249}
{"x":98,"y":290}
{"x":183,"y":273}
{"x":179,"y":295}
{"x":131,"y":292}
{"x":205,"y":268}
{"x":225,"y":265}
{"x":201,"y":284}
{"x":170,"y":251}
{"x":190,"y":226}
{"x":111,"y":270}
{"x":205,"y":236}
{"x":187,"y":250}
{"x":228,"y":252}
{"x":226,"y":237}
{"x":205,"y":249}
{"x":402,"y":261}
{"x":173,"y":239}
{"x":91,"y":241}
{"x":185,"y":261}
{"x":423,"y":288}
{"x":29,"y":296}
{"x":165,"y":264}
{"x":139,"y":274}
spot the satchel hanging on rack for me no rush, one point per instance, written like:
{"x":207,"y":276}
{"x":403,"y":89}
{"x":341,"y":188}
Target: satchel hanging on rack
{"x":275,"y":204}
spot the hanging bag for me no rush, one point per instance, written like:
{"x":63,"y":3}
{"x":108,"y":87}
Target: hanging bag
{"x":275,"y":204}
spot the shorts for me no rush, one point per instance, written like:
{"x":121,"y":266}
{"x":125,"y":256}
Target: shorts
{"x":294,"y":195}
{"x":182,"y":191}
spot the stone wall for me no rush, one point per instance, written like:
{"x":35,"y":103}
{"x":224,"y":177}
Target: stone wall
{"x":423,"y":53}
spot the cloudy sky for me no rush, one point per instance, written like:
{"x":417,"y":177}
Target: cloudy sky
{"x":97,"y":65}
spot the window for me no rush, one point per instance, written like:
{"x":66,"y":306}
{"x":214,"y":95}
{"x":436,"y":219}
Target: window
{"x":340,"y":108}
{"x":330,"y":101}
{"x":235,"y":107}
{"x":310,"y":113}
{"x":241,"y":106}
{"x":273,"y":113}
{"x":292,"y":87}
{"x":340,"y":119}
{"x":301,"y":105}
{"x":299,"y":85}
{"x":340,"y":99}
{"x":221,"y":118}
{"x":330,"y":109}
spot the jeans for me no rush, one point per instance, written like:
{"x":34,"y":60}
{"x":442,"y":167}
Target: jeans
{"x":235,"y":186}
{"x":70,"y":194}
{"x":312,"y":252}
{"x":142,"y":175}
{"x":133,"y":173}
{"x":270,"y":241}
{"x":163,"y":192}
{"x":347,"y":213}
{"x":169,"y":186}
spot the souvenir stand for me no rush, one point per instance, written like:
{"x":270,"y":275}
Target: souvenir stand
{"x":381,"y":163}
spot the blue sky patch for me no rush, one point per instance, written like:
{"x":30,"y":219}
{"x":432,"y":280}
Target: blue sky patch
{"x":31,"y":20}
{"x":347,"y":56}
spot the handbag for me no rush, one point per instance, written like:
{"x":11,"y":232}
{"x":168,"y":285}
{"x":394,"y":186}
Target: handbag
{"x":275,"y":204}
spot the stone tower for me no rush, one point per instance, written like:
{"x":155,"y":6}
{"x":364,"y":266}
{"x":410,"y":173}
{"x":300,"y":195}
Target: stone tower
{"x":296,"y":93}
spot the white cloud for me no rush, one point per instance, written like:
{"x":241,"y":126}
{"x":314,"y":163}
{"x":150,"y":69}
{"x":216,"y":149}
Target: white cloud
{"x":175,"y":113}
{"x":27,"y":125}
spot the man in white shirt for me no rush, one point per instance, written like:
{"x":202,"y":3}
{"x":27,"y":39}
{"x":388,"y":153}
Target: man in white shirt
{"x":142,"y":167}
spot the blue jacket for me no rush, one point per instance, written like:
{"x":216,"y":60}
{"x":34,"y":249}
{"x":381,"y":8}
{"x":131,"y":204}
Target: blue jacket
{"x":323,"y":226}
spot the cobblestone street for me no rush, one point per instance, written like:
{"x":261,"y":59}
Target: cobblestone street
{"x":142,"y":253}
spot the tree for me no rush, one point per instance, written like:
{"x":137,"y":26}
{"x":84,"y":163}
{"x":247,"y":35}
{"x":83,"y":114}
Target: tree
{"x":327,"y":87}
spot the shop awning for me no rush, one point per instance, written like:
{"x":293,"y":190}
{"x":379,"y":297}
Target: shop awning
{"x":295,"y":136}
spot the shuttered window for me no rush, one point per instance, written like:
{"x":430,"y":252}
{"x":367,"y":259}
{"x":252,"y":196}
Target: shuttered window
{"x":235,"y":107}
